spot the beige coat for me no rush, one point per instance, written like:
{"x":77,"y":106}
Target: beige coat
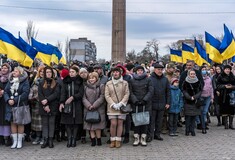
{"x":123,"y":93}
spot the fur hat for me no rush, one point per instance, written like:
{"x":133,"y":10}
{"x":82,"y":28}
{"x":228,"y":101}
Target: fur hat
{"x":227,"y":66}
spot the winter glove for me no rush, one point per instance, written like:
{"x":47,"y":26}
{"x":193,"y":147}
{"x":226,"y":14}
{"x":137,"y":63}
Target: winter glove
{"x":119,"y":105}
{"x":136,"y":103}
{"x":115,"y":107}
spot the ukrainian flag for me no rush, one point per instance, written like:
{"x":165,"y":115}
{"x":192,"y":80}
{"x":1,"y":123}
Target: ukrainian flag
{"x":30,"y":53}
{"x":187,"y":53}
{"x":15,"y":49}
{"x":57,"y":56}
{"x":212,"y":48}
{"x":227,"y":47}
{"x":44,"y":51}
{"x":176,"y":56}
{"x":200,"y":54}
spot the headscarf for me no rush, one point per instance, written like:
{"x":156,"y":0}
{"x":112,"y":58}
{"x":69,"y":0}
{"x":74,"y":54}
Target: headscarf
{"x":191,"y":80}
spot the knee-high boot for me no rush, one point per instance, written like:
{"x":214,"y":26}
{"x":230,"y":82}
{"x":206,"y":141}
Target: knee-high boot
{"x":231,"y":122}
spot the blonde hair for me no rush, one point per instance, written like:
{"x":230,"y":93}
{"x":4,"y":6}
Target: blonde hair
{"x":20,"y":69}
{"x":93,"y":74}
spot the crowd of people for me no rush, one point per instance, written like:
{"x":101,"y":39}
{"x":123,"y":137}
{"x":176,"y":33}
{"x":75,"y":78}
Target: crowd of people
{"x":76,"y":102}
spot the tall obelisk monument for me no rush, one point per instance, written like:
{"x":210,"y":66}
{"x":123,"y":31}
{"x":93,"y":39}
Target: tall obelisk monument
{"x":119,"y":31}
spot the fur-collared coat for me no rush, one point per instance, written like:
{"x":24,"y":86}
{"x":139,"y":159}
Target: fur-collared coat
{"x":122,"y":91}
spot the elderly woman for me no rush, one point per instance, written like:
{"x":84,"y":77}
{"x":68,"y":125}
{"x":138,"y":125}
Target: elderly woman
{"x":225,"y":85}
{"x":141,"y":91}
{"x":116,"y":94}
{"x":93,"y":100}
{"x":5,"y":129}
{"x":16,"y":92}
{"x":192,"y":90}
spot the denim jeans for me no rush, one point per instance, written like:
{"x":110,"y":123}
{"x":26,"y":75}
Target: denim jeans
{"x":173,"y":119}
{"x":204,"y":111}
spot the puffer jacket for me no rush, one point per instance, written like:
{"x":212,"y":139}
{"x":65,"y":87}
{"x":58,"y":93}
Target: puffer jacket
{"x":208,"y":88}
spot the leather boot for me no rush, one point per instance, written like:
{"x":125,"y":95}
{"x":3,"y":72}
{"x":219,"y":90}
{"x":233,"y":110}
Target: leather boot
{"x":8,"y":141}
{"x":226,"y":122}
{"x":143,"y":140}
{"x":231,"y":122}
{"x":14,"y":137}
{"x":118,"y":142}
{"x":99,"y":143}
{"x":20,"y":141}
{"x":45,"y":143}
{"x":2,"y":142}
{"x":74,"y":142}
{"x":204,"y":131}
{"x":136,"y":140}
{"x":112,"y":142}
{"x":69,"y":142}
{"x":50,"y":142}
{"x":93,"y":142}
{"x":126,"y":138}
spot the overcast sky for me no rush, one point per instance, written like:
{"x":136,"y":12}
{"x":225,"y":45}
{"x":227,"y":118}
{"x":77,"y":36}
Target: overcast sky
{"x":164,"y":20}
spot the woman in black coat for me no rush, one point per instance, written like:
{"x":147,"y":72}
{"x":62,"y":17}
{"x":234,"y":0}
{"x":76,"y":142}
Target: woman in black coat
{"x":225,"y":85}
{"x":141,"y":91}
{"x":48,"y":92}
{"x":218,"y":70}
{"x":192,"y":90}
{"x":72,"y":93}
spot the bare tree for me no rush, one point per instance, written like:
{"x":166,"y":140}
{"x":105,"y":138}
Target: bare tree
{"x":67,"y":50}
{"x":152,"y":46}
{"x":31,"y":31}
{"x":59,"y":45}
{"x":131,"y":55}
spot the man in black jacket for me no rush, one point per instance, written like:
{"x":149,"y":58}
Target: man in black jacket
{"x":160,"y":101}
{"x":190,"y":65}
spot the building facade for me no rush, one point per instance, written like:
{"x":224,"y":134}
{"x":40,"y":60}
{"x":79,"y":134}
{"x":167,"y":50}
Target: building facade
{"x":82,"y":49}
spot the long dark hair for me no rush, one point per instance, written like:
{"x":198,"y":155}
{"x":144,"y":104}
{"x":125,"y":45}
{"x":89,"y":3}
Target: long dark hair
{"x":53,"y":82}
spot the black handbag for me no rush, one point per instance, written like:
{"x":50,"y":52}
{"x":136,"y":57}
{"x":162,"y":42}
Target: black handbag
{"x":92,"y":117}
{"x":68,"y":107}
{"x":124,"y":108}
{"x":200,"y":102}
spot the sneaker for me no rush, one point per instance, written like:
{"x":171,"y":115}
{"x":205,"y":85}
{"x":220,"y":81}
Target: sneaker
{"x":36,"y":141}
{"x":175,"y":134}
{"x":171,"y":134}
{"x":41,"y":141}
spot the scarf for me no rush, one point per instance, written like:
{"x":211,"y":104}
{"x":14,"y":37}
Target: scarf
{"x":139,"y":77}
{"x":116,"y":81}
{"x":15,"y":85}
{"x":191,"y":80}
{"x":4,"y":77}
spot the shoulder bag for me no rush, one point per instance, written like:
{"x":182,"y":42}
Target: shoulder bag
{"x":68,"y":107}
{"x":21,"y":114}
{"x":124,"y":108}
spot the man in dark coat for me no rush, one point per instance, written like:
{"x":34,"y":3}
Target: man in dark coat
{"x":160,"y":101}
{"x":190,"y":65}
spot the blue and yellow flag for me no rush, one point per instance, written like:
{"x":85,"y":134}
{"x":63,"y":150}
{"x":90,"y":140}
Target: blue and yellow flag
{"x":176,"y":56}
{"x":44,"y":51}
{"x":227,"y":47}
{"x":212,"y":48}
{"x":30,"y":53}
{"x":200,"y":54}
{"x":57,"y":56}
{"x":187,"y":53}
{"x":16,"y":49}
